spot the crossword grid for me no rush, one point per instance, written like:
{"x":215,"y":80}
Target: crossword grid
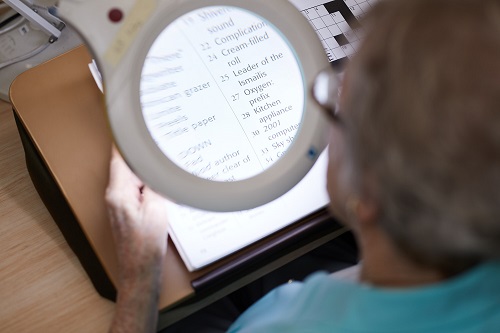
{"x":337,"y":25}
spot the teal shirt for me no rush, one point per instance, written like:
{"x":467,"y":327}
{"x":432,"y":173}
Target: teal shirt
{"x":469,"y":302}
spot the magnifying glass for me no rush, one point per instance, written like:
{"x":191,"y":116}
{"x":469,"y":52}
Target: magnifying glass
{"x":208,"y":100}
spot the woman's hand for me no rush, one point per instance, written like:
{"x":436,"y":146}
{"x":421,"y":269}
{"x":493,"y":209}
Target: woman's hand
{"x":139,"y":224}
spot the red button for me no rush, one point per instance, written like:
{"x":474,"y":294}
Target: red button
{"x":115,"y":15}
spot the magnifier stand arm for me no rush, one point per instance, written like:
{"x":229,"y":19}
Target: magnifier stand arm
{"x":31,"y":15}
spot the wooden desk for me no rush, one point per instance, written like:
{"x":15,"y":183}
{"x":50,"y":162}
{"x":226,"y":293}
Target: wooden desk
{"x":43,"y":287}
{"x":62,"y":113}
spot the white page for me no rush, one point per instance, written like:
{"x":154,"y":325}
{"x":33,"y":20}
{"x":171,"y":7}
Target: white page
{"x":223,"y":95}
{"x":204,"y":237}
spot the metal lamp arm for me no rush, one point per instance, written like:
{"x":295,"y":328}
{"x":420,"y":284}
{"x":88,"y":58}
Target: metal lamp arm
{"x":31,"y":15}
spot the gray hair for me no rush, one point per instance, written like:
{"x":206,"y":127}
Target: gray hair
{"x":422,"y":112}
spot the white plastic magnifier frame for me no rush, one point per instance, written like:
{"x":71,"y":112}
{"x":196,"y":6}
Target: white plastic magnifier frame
{"x":120,"y":49}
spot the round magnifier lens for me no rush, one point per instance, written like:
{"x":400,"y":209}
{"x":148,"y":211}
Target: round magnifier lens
{"x":222,"y":93}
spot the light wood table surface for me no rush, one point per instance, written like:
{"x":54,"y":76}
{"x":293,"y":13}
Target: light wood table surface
{"x":43,"y":287}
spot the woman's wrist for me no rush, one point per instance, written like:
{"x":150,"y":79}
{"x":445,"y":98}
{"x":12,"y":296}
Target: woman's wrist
{"x":137,"y":303}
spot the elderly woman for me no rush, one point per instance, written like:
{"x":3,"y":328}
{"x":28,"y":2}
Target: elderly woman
{"x":414,"y":170}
